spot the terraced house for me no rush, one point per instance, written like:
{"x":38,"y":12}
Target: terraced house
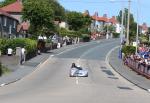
{"x":98,"y":22}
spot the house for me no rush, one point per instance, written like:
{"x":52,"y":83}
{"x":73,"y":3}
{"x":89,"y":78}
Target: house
{"x":99,"y":22}
{"x":143,"y":28}
{"x":23,"y":28}
{"x":8,"y":25}
{"x":15,"y":10}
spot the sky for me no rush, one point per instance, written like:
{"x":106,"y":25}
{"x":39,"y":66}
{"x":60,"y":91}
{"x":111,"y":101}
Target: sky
{"x":110,"y":7}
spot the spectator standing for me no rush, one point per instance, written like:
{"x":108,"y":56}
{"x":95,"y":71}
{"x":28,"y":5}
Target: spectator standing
{"x":9,"y":52}
{"x":22,"y":55}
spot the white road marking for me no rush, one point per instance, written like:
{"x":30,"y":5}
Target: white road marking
{"x":107,"y":56}
{"x":2,"y":85}
{"x":79,"y":59}
{"x":148,"y":90}
{"x":77,"y":80}
{"x":78,"y":62}
{"x":51,"y":55}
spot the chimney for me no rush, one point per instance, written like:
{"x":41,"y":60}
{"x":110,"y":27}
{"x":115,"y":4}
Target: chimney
{"x":96,"y":14}
{"x":105,"y":15}
{"x":113,"y":17}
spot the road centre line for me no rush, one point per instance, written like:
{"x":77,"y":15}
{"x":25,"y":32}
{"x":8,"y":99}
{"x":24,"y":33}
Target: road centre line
{"x":77,"y":80}
{"x":3,"y":84}
{"x":79,"y":59}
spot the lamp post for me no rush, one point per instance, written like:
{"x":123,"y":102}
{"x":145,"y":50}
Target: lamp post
{"x":121,"y":33}
{"x":129,"y":1}
{"x":122,"y":19}
{"x":137,"y":32}
{"x":107,"y":35}
{"x":137,"y":35}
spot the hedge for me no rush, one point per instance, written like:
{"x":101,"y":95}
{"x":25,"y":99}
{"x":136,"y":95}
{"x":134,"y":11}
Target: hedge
{"x":85,"y":37}
{"x":127,"y":50}
{"x":116,"y":35}
{"x":28,"y":44}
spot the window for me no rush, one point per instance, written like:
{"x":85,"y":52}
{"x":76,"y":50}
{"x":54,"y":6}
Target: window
{"x":5,"y":21}
{"x":1,"y":20}
{"x":14,"y":24}
{"x":10,"y":29}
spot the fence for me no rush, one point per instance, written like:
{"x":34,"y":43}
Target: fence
{"x":140,"y":68}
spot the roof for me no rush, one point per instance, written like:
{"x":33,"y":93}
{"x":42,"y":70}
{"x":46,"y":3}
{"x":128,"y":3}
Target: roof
{"x":113,"y":20}
{"x":24,"y":26}
{"x":2,"y":12}
{"x":14,"y":7}
{"x":105,"y":19}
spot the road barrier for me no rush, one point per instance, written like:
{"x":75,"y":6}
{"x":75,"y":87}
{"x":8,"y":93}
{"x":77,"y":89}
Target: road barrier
{"x":138,"y":67}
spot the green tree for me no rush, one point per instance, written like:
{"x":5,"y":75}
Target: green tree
{"x":40,"y":14}
{"x":132,"y":26}
{"x":59,"y":11}
{"x":77,"y":20}
{"x":110,"y":28}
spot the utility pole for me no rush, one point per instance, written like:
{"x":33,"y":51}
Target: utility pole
{"x":137,"y":31}
{"x":137,"y":35}
{"x":122,"y":19}
{"x":129,"y":1}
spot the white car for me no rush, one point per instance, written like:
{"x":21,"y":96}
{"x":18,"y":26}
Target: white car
{"x":78,"y":72}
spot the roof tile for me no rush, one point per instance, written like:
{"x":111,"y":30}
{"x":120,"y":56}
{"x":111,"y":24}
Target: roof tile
{"x":2,"y":12}
{"x":14,"y":7}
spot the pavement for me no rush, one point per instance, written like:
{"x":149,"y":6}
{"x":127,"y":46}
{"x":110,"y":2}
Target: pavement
{"x":126,"y":72}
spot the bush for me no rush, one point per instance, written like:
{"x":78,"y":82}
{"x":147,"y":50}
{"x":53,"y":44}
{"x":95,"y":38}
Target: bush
{"x":30,"y":45}
{"x":69,"y":33}
{"x":116,"y":35}
{"x":85,"y":37}
{"x":31,"y":48}
{"x":127,"y":50}
{"x":3,"y":43}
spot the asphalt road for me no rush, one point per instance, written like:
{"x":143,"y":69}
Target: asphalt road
{"x":50,"y":83}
